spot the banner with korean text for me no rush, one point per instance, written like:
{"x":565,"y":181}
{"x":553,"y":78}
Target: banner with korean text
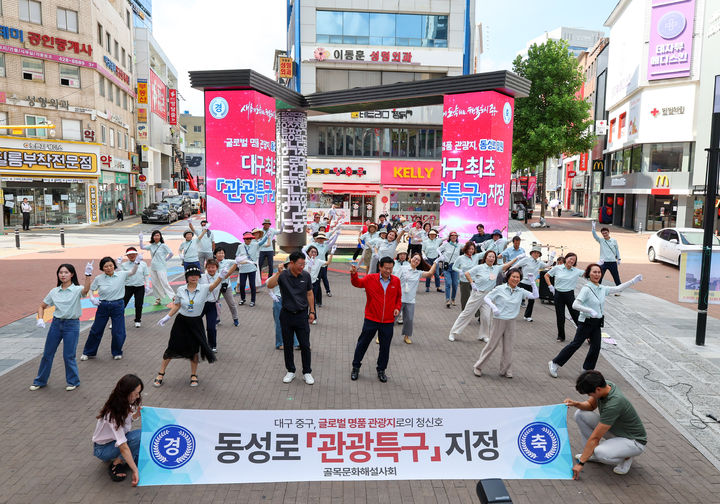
{"x":476,"y":161}
{"x":183,"y":447}
{"x":240,"y":160}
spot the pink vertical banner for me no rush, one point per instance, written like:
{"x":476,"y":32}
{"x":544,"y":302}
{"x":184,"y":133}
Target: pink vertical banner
{"x":240,"y":161}
{"x":476,"y":161}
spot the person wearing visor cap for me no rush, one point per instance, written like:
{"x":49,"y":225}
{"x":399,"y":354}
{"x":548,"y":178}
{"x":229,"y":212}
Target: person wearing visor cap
{"x":366,"y":239}
{"x":497,"y":243}
{"x":324,"y":243}
{"x":206,"y":243}
{"x":531,"y":266}
{"x":135,"y":285}
{"x":430,"y":251}
{"x":190,"y":247}
{"x":267,"y":252}
{"x":249,"y":250}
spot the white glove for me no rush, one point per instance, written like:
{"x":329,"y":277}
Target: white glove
{"x":138,"y":259}
{"x":119,"y":260}
{"x":441,"y":257}
{"x":274,"y":296}
{"x":375,"y":256}
{"x":530,"y":277}
{"x":593,"y":225}
{"x":140,"y":236}
{"x":169,"y":256}
{"x":332,"y":250}
{"x":95,"y":301}
{"x":241,"y":260}
{"x":618,"y":261}
{"x":89,"y":268}
{"x":224,"y":272}
{"x":551,"y":289}
{"x":425,"y":257}
{"x":148,"y":290}
{"x":40,"y":323}
{"x":163,"y":320}
{"x":474,"y":286}
{"x":206,"y":226}
{"x":636,"y":279}
{"x":594,"y":314}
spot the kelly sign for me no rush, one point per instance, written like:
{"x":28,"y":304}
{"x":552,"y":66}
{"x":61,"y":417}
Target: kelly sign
{"x":240,"y":160}
{"x":197,"y":447}
{"x":409,"y":172}
{"x":476,"y":161}
{"x":671,"y":38}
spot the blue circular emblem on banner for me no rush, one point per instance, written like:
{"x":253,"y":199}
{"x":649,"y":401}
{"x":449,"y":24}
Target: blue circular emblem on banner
{"x":219,"y":107}
{"x":671,"y":25}
{"x":507,"y":112}
{"x":539,"y":443}
{"x":172,"y":446}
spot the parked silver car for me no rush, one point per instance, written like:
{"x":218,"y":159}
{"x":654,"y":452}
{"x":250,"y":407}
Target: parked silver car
{"x":667,"y":244}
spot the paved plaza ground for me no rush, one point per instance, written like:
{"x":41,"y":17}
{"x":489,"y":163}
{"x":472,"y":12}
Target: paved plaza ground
{"x":45,"y":435}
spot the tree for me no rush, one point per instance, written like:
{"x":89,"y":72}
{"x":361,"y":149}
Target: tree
{"x":552,"y":119}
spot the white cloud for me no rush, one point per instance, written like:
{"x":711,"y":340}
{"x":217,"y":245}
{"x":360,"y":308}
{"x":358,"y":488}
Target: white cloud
{"x":216,"y":35}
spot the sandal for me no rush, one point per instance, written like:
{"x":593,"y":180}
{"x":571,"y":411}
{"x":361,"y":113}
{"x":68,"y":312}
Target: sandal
{"x":115,"y":469}
{"x":193,"y":380}
{"x":158,"y":382}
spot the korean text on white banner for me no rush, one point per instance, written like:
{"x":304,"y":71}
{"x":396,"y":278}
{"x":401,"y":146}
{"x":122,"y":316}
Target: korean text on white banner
{"x":185,"y":447}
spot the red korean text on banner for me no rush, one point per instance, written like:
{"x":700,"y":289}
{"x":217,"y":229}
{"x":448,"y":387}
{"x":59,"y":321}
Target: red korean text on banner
{"x":172,"y":106}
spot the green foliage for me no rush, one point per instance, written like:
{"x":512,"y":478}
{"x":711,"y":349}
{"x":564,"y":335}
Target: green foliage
{"x":552,"y":120}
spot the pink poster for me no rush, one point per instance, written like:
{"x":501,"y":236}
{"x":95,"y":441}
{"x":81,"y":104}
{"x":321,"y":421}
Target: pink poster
{"x":240,"y":160}
{"x":158,"y":96}
{"x":476,"y":162}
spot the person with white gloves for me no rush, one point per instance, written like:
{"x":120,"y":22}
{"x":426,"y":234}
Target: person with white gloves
{"x":111,"y":291}
{"x":212,"y":272}
{"x":324,"y":243}
{"x":450,"y":251}
{"x":590,"y":302}
{"x":65,"y":325}
{"x":190,"y":248}
{"x":314,"y":265}
{"x":566,"y":276}
{"x":187,"y":336}
{"x":531,"y":266}
{"x":160,"y":254}
{"x":504,"y":301}
{"x":249,"y":250}
{"x":409,"y":280}
{"x":206,"y":242}
{"x":135,"y":285}
{"x":225,"y":290}
{"x":276,"y":296}
{"x":609,"y":254}
{"x":430,"y":244}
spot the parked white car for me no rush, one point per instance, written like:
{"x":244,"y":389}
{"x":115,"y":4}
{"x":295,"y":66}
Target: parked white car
{"x":667,"y":244}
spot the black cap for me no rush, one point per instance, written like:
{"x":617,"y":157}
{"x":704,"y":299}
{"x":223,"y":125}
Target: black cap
{"x":192,"y":270}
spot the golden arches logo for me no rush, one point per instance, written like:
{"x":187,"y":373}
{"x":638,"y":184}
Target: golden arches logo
{"x":662,"y":181}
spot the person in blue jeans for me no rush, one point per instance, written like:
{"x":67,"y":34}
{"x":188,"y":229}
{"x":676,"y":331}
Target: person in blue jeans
{"x":64,"y":327}
{"x":111,"y":293}
{"x":450,"y":252}
{"x":113,"y":439}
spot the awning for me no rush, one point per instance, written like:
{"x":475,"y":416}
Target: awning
{"x":411,"y":188}
{"x":334,"y":188}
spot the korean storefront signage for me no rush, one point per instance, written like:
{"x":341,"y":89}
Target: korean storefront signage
{"x":142,"y":132}
{"x":584,"y":157}
{"x":8,"y":32}
{"x":44,"y":102}
{"x":363,"y":55}
{"x":240,"y":153}
{"x":285,"y":68}
{"x":116,"y":70}
{"x":158,"y":96}
{"x":671,"y":39}
{"x":142,"y":91}
{"x":172,"y":106}
{"x":192,"y":447}
{"x":382,"y":114}
{"x":59,"y":43}
{"x":476,"y":161}
{"x":93,"y":202}
{"x":88,"y":135}
{"x":142,"y":115}
{"x":21,"y":51}
{"x":409,"y":172}
{"x":44,"y":162}
{"x":292,"y":163}
{"x":598,"y":165}
{"x":339,"y":171}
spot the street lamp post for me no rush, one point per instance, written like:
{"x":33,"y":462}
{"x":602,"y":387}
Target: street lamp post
{"x":711,"y":187}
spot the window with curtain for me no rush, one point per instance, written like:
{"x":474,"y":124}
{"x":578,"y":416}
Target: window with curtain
{"x":67,"y":20}
{"x":30,"y":10}
{"x":71,"y":129}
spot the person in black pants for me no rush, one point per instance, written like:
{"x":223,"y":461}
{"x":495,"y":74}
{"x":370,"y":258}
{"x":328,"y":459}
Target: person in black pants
{"x":566,"y":277}
{"x":25,"y":208}
{"x":135,"y":285}
{"x":296,"y":297}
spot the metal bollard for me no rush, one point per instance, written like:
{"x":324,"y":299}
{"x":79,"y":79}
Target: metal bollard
{"x":17,"y":237}
{"x":62,"y":236}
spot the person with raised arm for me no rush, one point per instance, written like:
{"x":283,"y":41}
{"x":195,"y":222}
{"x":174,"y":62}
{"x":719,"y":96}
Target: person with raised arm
{"x":160,"y":254}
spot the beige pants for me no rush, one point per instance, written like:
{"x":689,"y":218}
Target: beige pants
{"x":501,"y":332}
{"x":474,"y":303}
{"x":160,"y":285}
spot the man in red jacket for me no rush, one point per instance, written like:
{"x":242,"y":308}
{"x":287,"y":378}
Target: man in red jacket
{"x":384,"y":300}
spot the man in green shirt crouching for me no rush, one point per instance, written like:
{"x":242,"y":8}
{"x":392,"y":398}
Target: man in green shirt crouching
{"x":614,"y":434}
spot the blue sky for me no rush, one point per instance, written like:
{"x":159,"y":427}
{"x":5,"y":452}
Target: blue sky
{"x":216,"y":34}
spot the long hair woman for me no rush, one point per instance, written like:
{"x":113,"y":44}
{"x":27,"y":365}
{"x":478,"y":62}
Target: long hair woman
{"x":65,"y":325}
{"x":590,"y":302}
{"x":505,"y":301}
{"x":450,"y":251}
{"x":566,"y":277}
{"x":409,"y":279}
{"x":467,"y":260}
{"x":114,"y":440}
{"x":160,"y":254}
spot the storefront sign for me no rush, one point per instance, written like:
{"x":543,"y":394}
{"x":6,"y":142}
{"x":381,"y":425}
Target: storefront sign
{"x":409,"y":172}
{"x":373,"y":55}
{"x":43,"y":162}
{"x":142,"y":132}
{"x":584,"y":157}
{"x":94,"y":203}
{"x":59,"y":43}
{"x":55,"y":147}
{"x":172,"y":106}
{"x":601,"y":127}
{"x":689,"y":283}
{"x":192,"y":447}
{"x":618,"y":181}
{"x":142,"y":91}
{"x":7,"y":32}
{"x":21,"y":51}
{"x":240,"y":178}
{"x":142,"y":115}
{"x":338,"y":171}
{"x":382,"y":114}
{"x":158,"y":96}
{"x":671,"y":39}
{"x":662,"y":185}
{"x":122,"y":178}
{"x":116,"y":70}
{"x":571,"y":173}
{"x":292,"y":163}
{"x":106,"y":160}
{"x":363,"y":55}
{"x":285,"y":68}
{"x":598,"y":165}
{"x":44,"y":102}
{"x":88,"y":135}
{"x":475,"y":181}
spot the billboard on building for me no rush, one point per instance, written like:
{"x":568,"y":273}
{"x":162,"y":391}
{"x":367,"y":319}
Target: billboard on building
{"x":671,"y":39}
{"x":158,"y":96}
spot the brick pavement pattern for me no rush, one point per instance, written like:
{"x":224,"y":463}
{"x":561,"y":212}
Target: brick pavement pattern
{"x":46,"y":435}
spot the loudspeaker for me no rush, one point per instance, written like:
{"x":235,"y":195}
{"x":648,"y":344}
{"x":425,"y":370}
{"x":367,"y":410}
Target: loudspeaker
{"x":490,"y":491}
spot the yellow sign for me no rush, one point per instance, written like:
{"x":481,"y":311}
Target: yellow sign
{"x":285,"y":66}
{"x":598,"y":165}
{"x":142,"y":115}
{"x":662,"y":181}
{"x":142,"y":92}
{"x":41,"y":162}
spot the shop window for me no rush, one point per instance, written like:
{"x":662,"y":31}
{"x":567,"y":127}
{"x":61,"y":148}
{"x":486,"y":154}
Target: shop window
{"x":612,"y":127}
{"x":103,"y":134}
{"x":621,"y":124}
{"x":637,"y":157}
{"x":112,"y":137}
{"x":35,"y":120}
{"x":67,"y":20}
{"x":127,"y":18}
{"x":71,"y":129}
{"x":110,"y":91}
{"x":403,"y":143}
{"x":349,"y":141}
{"x":666,"y":157}
{"x":2,"y":65}
{"x":33,"y":70}
{"x":395,"y":142}
{"x":30,"y":10}
{"x":70,"y":76}
{"x":627,"y":159}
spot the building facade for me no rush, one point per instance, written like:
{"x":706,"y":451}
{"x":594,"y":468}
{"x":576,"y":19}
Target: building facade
{"x":68,"y":64}
{"x":382,"y":161}
{"x":194,"y":127}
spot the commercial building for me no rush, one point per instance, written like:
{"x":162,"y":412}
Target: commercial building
{"x":70,"y":67}
{"x":194,"y":149}
{"x":379,"y":161}
{"x":579,"y":40}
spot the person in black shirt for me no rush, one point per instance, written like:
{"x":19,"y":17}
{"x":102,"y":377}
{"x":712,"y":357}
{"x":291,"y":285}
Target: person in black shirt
{"x":296,"y":297}
{"x":481,"y":235}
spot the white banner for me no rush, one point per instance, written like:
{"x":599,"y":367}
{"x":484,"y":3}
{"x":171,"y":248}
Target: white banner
{"x":182,"y":447}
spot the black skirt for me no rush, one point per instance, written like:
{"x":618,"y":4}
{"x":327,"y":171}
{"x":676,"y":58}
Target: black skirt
{"x":187,"y":338}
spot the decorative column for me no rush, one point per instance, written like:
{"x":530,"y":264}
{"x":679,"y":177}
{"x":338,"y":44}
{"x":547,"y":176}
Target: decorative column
{"x":476,"y":162}
{"x":292,"y":178}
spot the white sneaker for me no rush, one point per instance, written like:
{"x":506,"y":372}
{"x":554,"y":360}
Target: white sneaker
{"x":592,"y":458}
{"x":84,"y":357}
{"x":623,"y":467}
{"x":528,"y":319}
{"x":117,"y":357}
{"x":289,"y":377}
{"x":553,"y":368}
{"x":309,"y":378}
{"x":314,"y":321}
{"x":485,"y":339}
{"x":137,"y":324}
{"x":70,"y":388}
{"x":451,"y":337}
{"x":35,"y":387}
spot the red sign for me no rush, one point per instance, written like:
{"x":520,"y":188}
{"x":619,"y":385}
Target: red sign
{"x":584,"y":161}
{"x":571,"y":174}
{"x":142,"y":178}
{"x":172,"y":106}
{"x":408,"y":172}
{"x":59,"y":43}
{"x":158,"y":96}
